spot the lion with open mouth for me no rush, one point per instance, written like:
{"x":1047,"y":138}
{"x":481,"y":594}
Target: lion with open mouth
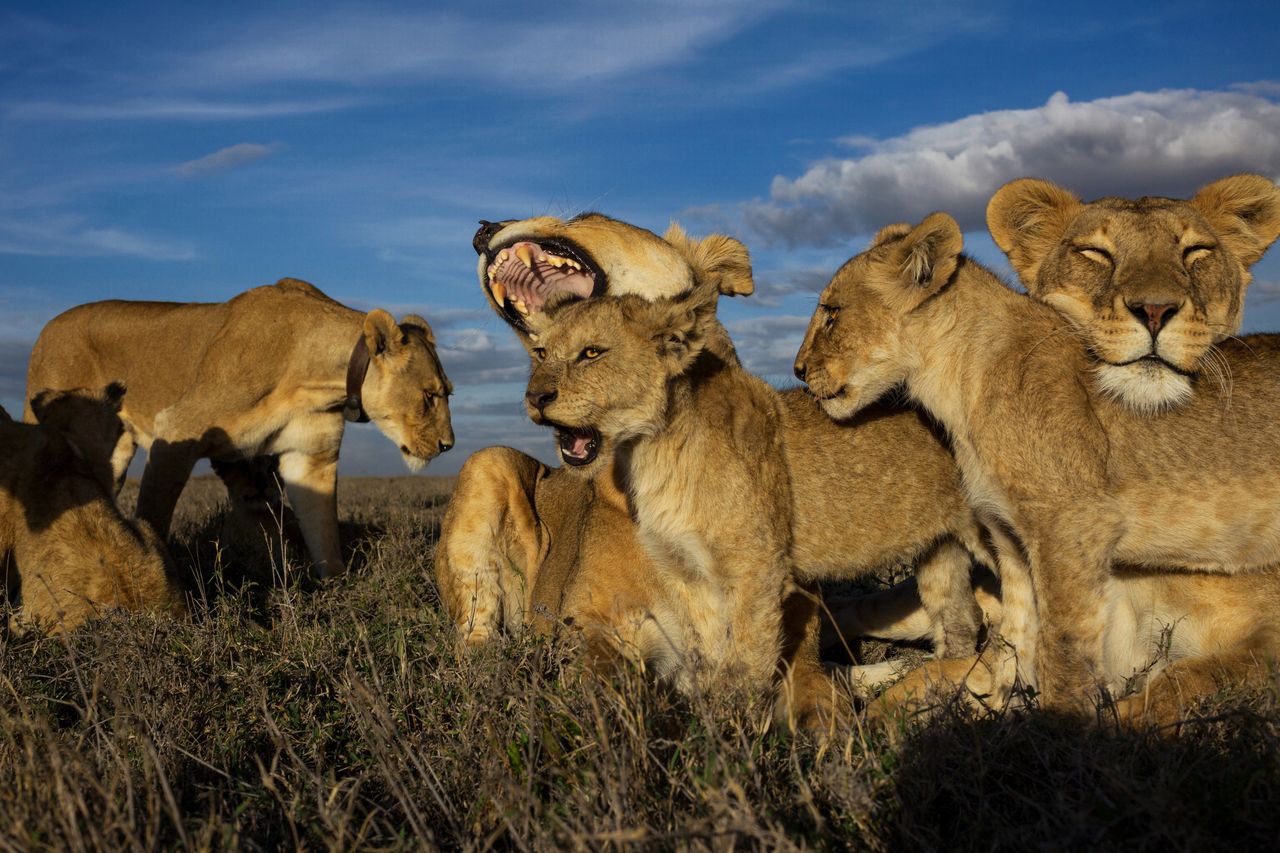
{"x":525,"y":543}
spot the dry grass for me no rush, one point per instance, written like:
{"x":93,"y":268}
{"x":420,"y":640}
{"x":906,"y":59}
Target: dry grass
{"x":345,"y":717}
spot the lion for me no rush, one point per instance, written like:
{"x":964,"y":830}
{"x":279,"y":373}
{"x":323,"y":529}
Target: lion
{"x":1172,"y":639}
{"x":1152,"y":285}
{"x":267,"y":378}
{"x":73,"y":552}
{"x":525,"y":543}
{"x":699,"y":454}
{"x":1066,"y":478}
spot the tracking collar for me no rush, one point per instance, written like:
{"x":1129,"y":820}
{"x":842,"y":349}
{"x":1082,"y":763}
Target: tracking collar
{"x":357,"y":367}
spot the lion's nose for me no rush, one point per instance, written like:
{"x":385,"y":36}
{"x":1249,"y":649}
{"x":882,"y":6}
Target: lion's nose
{"x":1155,"y":317}
{"x":484,"y":234}
{"x":539,"y":399}
{"x":800,"y":370}
{"x":445,"y":445}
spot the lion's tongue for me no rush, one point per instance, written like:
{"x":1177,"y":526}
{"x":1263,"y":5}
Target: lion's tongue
{"x":525,"y":275}
{"x":577,"y":444}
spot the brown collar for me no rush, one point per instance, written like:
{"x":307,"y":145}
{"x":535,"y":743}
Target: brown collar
{"x":357,"y":367}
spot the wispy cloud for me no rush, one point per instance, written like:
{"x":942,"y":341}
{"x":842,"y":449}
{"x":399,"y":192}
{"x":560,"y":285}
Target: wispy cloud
{"x":1163,"y":142}
{"x":70,"y":236}
{"x":169,"y":109}
{"x":563,"y":45}
{"x":226,"y":158}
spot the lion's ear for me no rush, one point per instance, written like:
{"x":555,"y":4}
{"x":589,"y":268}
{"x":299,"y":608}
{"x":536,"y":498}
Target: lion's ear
{"x":679,"y":327}
{"x":717,"y":260}
{"x":890,"y":232}
{"x":414,"y":321}
{"x":381,"y":333}
{"x":1027,"y":218}
{"x":928,"y":254}
{"x":1245,"y":211}
{"x":113,"y":396}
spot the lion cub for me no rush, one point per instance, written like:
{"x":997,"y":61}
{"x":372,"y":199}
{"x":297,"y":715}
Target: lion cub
{"x":698,"y":446}
{"x":59,"y":526}
{"x":1080,"y":481}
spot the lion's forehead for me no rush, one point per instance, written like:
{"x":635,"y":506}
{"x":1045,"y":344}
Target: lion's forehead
{"x":1166,"y":227}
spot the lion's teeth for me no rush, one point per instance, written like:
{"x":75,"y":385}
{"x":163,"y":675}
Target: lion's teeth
{"x":556,"y":261}
{"x":521,"y":307}
{"x":525,"y":254}
{"x":493,"y":270}
{"x":571,"y":262}
{"x":502,"y":257}
{"x":500,"y":293}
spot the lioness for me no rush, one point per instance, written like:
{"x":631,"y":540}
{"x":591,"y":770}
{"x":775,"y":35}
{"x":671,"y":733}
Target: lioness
{"x":271,"y":372}
{"x":59,"y":526}
{"x":1151,"y":284}
{"x":521,"y":541}
{"x":1080,"y":481}
{"x":699,"y":453}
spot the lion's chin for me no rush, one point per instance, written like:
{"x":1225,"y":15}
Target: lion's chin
{"x":415,"y":464}
{"x":1148,"y":387}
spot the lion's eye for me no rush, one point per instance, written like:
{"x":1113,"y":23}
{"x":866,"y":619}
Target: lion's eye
{"x":591,"y":353}
{"x":833,"y":311}
{"x":1191,"y":254}
{"x":1096,"y":254}
{"x":539,"y":353}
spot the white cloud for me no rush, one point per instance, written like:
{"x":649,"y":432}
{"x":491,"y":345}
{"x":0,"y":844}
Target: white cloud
{"x":69,"y":236}
{"x":226,"y":158}
{"x":1166,"y":142}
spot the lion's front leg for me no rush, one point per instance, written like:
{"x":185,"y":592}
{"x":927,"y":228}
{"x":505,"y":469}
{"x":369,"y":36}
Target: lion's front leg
{"x":312,"y":485}
{"x":808,"y":697}
{"x":1070,"y":581}
{"x":946,"y":592}
{"x":169,"y":465}
{"x":491,"y":543}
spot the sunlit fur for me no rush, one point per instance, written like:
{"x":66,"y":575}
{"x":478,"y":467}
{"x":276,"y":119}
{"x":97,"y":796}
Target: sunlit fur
{"x":1098,"y":263}
{"x":261,"y":375}
{"x":1080,"y":484}
{"x":714,"y":515}
{"x":527,"y":546}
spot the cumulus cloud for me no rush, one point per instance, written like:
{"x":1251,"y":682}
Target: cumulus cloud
{"x":226,"y":158}
{"x":1166,"y":142}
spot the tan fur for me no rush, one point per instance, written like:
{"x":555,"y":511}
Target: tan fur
{"x":700,"y":457}
{"x":263,"y":374}
{"x":1172,"y":639}
{"x":74,"y":554}
{"x":1080,"y":483}
{"x":523,"y":542}
{"x":1100,"y":263}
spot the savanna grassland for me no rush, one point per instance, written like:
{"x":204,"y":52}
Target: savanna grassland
{"x":283,"y":715}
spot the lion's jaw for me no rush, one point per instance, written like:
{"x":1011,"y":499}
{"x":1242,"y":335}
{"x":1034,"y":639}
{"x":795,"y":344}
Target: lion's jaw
{"x":524,"y":263}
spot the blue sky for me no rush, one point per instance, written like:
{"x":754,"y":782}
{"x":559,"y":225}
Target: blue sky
{"x":166,"y":151}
